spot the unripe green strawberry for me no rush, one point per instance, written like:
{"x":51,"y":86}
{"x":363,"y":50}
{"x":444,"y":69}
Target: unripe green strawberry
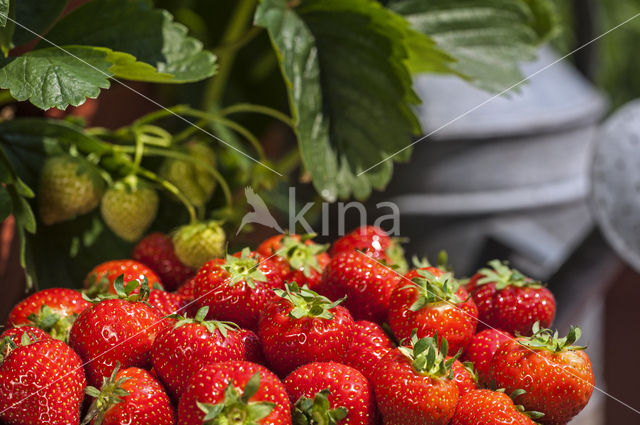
{"x":192,"y":179}
{"x":195,"y":244}
{"x":69,"y":186}
{"x":129,"y":207}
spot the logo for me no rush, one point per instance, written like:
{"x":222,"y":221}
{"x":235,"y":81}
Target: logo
{"x":261,"y":215}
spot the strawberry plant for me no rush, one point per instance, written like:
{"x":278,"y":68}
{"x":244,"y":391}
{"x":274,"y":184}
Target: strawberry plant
{"x":337,"y":72}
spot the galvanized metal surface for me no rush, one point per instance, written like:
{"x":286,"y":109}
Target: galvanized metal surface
{"x":554,"y":98}
{"x":615,"y":189}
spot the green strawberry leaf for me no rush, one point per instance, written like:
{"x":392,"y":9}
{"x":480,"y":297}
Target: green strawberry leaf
{"x":5,"y":5}
{"x":37,"y":16}
{"x":345,"y":66}
{"x":53,"y":78}
{"x":59,"y":78}
{"x":488,"y":38}
{"x":159,"y":41}
{"x":7,"y":26}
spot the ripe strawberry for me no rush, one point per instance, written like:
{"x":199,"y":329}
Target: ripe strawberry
{"x":481,"y":349}
{"x":42,"y":383}
{"x":365,"y":282}
{"x":555,"y":374}
{"x":486,"y":407}
{"x":119,"y":328}
{"x":298,"y":257}
{"x":464,"y":376}
{"x":234,"y":392}
{"x":16,"y":334}
{"x":375,"y":242}
{"x":368,"y":345}
{"x":188,"y":289}
{"x":168,"y":302}
{"x":188,"y":292}
{"x":301,"y":327}
{"x":69,"y":186}
{"x":129,"y":207}
{"x":510,"y":301}
{"x":185,"y":346}
{"x":195,"y":244}
{"x":331,"y":391}
{"x":193,"y":179}
{"x":238,"y":288}
{"x":414,"y":384}
{"x":130,"y":396}
{"x":431,"y":301}
{"x":53,"y":310}
{"x":156,"y":251}
{"x":101,"y":279}
{"x":252,"y":347}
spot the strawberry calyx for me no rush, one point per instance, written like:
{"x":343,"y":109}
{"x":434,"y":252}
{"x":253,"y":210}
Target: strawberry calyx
{"x":546,"y":339}
{"x":533,"y":414}
{"x":307,"y":303}
{"x":472,"y":370}
{"x":429,"y":359}
{"x":7,"y":345}
{"x":395,"y":255}
{"x":442,"y":264}
{"x":108,"y":396}
{"x":302,"y":256}
{"x":434,"y":289}
{"x":200,"y":318}
{"x":317,"y":410}
{"x":125,"y":292}
{"x":53,"y":322}
{"x":236,"y":409}
{"x":243,"y":268}
{"x":502,"y":275}
{"x":97,"y":287}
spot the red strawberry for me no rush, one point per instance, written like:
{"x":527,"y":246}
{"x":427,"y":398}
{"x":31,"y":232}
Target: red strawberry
{"x":298,"y":257}
{"x":510,"y":301}
{"x":486,"y":407}
{"x":41,"y":383}
{"x":130,"y":396}
{"x":368,"y":345}
{"x":188,"y":292}
{"x":188,"y":289}
{"x":431,"y":301}
{"x":481,"y":349}
{"x":100,"y":280}
{"x":156,"y":251}
{"x":168,"y":302}
{"x":301,"y":327}
{"x":332,"y":391}
{"x":53,"y":310}
{"x":464,"y":376}
{"x":116,"y":330}
{"x":237,"y":289}
{"x":414,"y":384}
{"x":252,"y":347}
{"x":375,"y":242}
{"x":366,"y":283}
{"x":555,"y":374}
{"x":181,"y":349}
{"x":16,"y":334}
{"x":234,"y":392}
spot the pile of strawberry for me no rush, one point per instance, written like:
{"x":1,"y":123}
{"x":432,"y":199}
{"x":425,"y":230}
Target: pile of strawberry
{"x":291,"y":334}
